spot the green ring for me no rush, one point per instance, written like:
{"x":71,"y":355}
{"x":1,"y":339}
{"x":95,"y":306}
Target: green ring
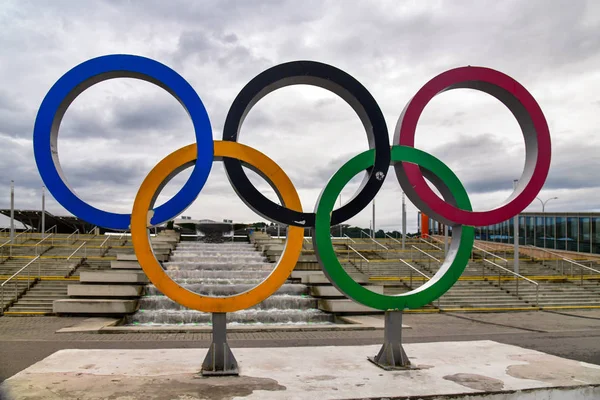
{"x":459,"y":250}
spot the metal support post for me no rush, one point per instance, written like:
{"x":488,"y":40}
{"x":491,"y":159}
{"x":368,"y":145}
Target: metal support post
{"x":373,"y":232}
{"x":12,"y":213}
{"x":516,"y":236}
{"x":445,"y":240}
{"x":403,"y":221}
{"x":43,"y":211}
{"x":392,"y":354}
{"x":219,"y":360}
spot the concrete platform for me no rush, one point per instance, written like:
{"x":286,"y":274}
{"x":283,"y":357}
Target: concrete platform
{"x":113,"y":277}
{"x":161,"y":255}
{"x":345,"y":306}
{"x":331,"y":291}
{"x":459,"y":370}
{"x":94,"y":306}
{"x":104,"y":290}
{"x":125,"y":265}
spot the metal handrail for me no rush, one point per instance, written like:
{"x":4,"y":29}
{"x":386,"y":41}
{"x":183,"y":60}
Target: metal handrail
{"x":434,"y":238}
{"x":360,"y":255}
{"x":379,"y":244}
{"x":80,"y":246}
{"x":517,"y":276}
{"x":491,"y":254}
{"x":105,"y":240}
{"x":411,"y":272}
{"x":16,"y":237}
{"x":352,"y":240}
{"x":362,"y":231}
{"x":394,"y":239}
{"x":431,"y":244}
{"x":569,"y":260}
{"x":76,"y":232}
{"x":415,"y":269}
{"x":91,"y":230}
{"x":426,"y":253}
{"x":16,"y":286}
{"x":53,"y":227}
{"x":49,"y":236}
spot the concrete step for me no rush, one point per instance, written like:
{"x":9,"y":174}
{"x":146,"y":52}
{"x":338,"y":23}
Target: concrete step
{"x":31,"y":308}
{"x":344,"y":306}
{"x":331,"y":291}
{"x":99,"y":290}
{"x":94,"y":306}
{"x":113,"y":277}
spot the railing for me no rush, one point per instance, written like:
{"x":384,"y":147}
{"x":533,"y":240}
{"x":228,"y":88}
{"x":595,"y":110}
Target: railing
{"x":16,"y":274}
{"x":372,"y":239}
{"x":430,"y":257}
{"x":365,"y":233}
{"x":504,"y":260}
{"x":9,"y":243}
{"x":79,"y":248}
{"x":353,"y":261}
{"x":91,"y":230}
{"x":517,"y":277}
{"x":431,"y":244}
{"x":14,"y":241}
{"x":73,"y":234}
{"x":349,"y":238}
{"x":53,"y":228}
{"x":393,"y":238}
{"x":411,"y":272}
{"x":562,"y":260}
{"x":105,"y":242}
{"x":50,"y":236}
{"x":121,"y":237}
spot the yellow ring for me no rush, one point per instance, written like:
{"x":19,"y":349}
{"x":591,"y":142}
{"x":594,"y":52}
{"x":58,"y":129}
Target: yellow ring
{"x":140,"y":220}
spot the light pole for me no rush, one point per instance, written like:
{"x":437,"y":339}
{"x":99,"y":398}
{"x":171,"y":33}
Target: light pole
{"x":544,"y":214}
{"x":516,"y":235}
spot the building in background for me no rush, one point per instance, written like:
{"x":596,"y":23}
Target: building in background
{"x":571,"y":231}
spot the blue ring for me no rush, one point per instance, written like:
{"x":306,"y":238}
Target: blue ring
{"x":88,"y":73}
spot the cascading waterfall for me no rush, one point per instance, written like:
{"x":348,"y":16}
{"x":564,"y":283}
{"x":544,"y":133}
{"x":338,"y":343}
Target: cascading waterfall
{"x":223,"y":270}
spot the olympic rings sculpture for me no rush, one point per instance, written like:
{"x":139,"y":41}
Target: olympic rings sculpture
{"x":411,"y":166}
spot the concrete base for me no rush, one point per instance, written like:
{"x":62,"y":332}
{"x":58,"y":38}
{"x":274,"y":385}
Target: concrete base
{"x":331,"y":291}
{"x":125,"y":265}
{"x":345,"y":306}
{"x":113,"y":277}
{"x":104,"y":290}
{"x":94,"y":306}
{"x":160,"y":256}
{"x":458,"y":370}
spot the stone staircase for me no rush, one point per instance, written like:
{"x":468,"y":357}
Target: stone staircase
{"x":39,"y":298}
{"x":54,"y":267}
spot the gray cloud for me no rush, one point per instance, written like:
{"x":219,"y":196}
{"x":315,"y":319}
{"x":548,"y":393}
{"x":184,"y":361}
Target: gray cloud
{"x":117,"y":131}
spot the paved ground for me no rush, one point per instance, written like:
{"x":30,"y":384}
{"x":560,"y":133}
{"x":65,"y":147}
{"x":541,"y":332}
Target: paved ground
{"x":572,"y":334}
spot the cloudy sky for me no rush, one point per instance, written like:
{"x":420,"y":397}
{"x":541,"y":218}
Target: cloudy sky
{"x":116,"y":131}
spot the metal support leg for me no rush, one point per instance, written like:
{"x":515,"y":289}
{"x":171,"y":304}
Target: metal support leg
{"x":392,"y":355}
{"x":219,"y":360}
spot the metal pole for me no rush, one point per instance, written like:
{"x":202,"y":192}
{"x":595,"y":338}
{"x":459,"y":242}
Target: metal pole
{"x":43,"y":211}
{"x":373,"y":233}
{"x":445,"y":239}
{"x":341,"y":233}
{"x":403,"y":221}
{"x":12,"y":211}
{"x":516,"y":236}
{"x":392,"y":354}
{"x":219,"y":359}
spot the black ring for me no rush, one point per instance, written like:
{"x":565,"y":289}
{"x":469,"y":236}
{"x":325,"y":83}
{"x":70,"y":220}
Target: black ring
{"x":336,"y":81}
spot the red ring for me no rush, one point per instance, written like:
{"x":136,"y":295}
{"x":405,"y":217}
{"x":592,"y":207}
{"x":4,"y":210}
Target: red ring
{"x":537,"y":135}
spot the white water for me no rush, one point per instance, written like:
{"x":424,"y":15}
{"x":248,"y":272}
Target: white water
{"x":224,"y":270}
